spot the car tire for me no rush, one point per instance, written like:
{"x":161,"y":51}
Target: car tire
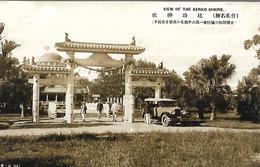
{"x":165,"y":120}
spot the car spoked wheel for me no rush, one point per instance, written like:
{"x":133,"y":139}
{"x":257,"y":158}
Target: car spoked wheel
{"x":165,"y":120}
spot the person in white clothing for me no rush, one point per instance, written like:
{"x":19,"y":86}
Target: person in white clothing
{"x":115,"y":108}
{"x":83,"y":111}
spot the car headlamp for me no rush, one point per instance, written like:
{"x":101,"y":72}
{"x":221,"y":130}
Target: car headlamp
{"x":183,"y":112}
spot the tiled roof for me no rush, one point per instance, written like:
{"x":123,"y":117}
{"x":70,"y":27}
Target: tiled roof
{"x":98,"y":47}
{"x":45,"y":69}
{"x":150,"y":72}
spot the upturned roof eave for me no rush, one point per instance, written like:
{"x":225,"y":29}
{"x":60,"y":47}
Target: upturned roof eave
{"x":97,"y":47}
{"x":46,"y":70}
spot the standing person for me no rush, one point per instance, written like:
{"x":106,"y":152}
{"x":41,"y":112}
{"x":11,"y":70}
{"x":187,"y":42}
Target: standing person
{"x":22,"y":110}
{"x":83,"y":111}
{"x":99,"y":109}
{"x":106,"y":109}
{"x":115,"y":108}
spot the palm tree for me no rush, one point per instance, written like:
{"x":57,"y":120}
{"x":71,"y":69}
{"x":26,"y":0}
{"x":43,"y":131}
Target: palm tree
{"x":208,"y":75}
{"x":7,"y":63}
{"x":253,"y":43}
{"x":8,"y":47}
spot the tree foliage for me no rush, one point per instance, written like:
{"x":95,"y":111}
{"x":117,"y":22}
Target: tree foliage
{"x":205,"y":79}
{"x":248,"y":95}
{"x":253,"y":43}
{"x":144,"y":64}
{"x":173,"y":85}
{"x":14,"y":89}
{"x":248,"y":89}
{"x":108,"y":84}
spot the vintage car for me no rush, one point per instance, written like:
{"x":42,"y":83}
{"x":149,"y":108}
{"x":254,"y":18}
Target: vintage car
{"x":164,"y":110}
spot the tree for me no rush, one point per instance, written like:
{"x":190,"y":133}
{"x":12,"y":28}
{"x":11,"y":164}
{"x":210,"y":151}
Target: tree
{"x":144,"y":64}
{"x":248,"y":95}
{"x":108,"y":84}
{"x":253,"y":43}
{"x":14,"y":89}
{"x":208,"y":76}
{"x":111,"y":83}
{"x":248,"y":89}
{"x":173,"y":86}
{"x":140,"y":93}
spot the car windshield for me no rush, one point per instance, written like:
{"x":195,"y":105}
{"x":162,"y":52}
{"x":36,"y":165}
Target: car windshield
{"x":161,"y":102}
{"x":166,"y":104}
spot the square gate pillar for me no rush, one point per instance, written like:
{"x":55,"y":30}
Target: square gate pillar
{"x":128,"y":97}
{"x":70,"y":90}
{"x":36,"y":96}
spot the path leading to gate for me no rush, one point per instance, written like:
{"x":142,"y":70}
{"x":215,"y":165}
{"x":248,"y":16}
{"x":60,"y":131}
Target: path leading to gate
{"x":115,"y":127}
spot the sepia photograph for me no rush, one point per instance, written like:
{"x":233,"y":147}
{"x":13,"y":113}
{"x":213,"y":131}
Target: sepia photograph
{"x":129,"y":84}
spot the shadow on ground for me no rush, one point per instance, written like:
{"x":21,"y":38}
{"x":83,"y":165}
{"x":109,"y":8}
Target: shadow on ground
{"x":184,"y":124}
{"x":60,"y":125}
{"x":84,"y":137}
{"x":41,"y":161}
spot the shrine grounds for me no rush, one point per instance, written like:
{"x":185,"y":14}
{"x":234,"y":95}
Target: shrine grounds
{"x":53,"y":143}
{"x":135,"y":149}
{"x":13,"y":121}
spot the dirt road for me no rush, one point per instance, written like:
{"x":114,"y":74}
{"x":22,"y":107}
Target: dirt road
{"x":116,"y":127}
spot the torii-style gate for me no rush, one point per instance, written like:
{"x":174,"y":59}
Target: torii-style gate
{"x":50,"y":69}
{"x":152,"y":78}
{"x":99,"y":58}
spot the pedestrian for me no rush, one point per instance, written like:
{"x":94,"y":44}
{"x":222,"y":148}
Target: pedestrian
{"x":22,"y":110}
{"x":106,"y":109}
{"x":115,"y":108}
{"x":83,"y":111}
{"x":99,"y":109}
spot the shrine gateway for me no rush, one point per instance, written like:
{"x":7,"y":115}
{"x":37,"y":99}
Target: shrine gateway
{"x":99,"y":58}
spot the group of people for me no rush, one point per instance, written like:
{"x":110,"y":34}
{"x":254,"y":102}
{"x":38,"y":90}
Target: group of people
{"x":100,"y":107}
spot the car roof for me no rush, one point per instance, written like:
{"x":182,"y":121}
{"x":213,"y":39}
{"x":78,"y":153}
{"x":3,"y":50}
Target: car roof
{"x":158,"y":99}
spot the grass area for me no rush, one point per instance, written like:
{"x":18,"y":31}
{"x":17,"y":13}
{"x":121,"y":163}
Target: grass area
{"x":233,"y":124}
{"x":125,"y":150}
{"x":230,"y":120}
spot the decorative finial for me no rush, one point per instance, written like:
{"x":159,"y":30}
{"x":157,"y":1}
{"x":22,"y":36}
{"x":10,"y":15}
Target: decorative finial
{"x":160,"y":65}
{"x":133,"y":41}
{"x":33,"y":61}
{"x":67,"y":37}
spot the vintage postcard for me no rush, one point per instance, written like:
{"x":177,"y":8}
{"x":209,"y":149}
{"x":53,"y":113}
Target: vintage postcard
{"x":122,"y":83}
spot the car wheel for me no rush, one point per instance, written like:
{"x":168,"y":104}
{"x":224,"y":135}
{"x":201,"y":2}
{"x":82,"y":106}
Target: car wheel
{"x":165,"y":120}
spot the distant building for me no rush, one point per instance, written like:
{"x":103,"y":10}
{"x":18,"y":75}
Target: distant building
{"x":56,"y":92}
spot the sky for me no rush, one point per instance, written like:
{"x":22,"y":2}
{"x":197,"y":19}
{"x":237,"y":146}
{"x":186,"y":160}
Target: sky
{"x":35,"y":25}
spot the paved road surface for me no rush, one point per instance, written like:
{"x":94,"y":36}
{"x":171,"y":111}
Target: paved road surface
{"x":114,"y":127}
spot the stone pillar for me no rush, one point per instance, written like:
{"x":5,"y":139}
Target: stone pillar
{"x":47,"y":97}
{"x":158,"y":88}
{"x":36,"y":96}
{"x":128,"y":97}
{"x":70,"y":90}
{"x":56,"y":97}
